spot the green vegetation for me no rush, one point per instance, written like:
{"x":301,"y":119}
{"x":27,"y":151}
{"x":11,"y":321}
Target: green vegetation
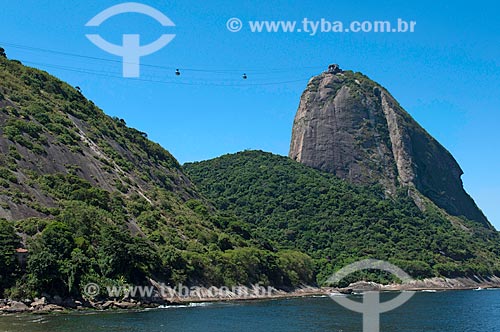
{"x":96,"y":201}
{"x":89,"y":241}
{"x":9,"y":241}
{"x":291,"y":206}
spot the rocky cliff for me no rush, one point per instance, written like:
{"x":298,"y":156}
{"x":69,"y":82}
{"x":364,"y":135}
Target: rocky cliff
{"x":349,"y":125}
{"x":85,"y":198}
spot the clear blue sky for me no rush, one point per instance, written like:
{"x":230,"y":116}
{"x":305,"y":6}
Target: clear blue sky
{"x":446,"y":74}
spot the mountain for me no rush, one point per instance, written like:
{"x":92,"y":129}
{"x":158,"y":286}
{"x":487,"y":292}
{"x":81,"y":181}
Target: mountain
{"x":370,"y":182}
{"x":93,"y":200}
{"x":291,"y":205}
{"x":350,"y":126}
{"x":86,"y":199}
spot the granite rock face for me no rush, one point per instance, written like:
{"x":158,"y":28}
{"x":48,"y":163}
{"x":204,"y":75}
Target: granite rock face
{"x":348,"y":125}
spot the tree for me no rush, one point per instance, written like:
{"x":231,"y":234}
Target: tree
{"x":50,"y":253}
{"x":43,"y":271}
{"x":121,"y":255}
{"x":8,"y":243}
{"x":297,"y":267}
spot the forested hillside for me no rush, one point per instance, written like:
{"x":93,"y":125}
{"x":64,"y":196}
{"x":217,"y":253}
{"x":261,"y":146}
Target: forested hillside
{"x":295,"y":206}
{"x":93,"y":200}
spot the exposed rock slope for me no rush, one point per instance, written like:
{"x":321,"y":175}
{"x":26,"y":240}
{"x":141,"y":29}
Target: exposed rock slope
{"x":348,"y":125}
{"x":87,"y":199}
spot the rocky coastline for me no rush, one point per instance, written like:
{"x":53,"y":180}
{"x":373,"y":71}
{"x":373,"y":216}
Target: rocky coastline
{"x":55,"y":304}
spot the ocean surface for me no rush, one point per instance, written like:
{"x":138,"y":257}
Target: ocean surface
{"x":455,"y":311}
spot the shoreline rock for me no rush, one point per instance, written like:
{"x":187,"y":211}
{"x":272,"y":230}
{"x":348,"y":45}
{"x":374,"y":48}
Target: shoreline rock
{"x":49,"y":306}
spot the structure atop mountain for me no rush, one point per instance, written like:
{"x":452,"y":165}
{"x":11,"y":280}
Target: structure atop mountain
{"x":86,"y":199}
{"x":349,"y":125}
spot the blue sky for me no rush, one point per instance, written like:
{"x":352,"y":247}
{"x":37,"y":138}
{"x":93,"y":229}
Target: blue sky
{"x":446,"y":74}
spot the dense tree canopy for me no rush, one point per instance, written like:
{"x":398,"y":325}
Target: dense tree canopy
{"x":296,"y":207}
